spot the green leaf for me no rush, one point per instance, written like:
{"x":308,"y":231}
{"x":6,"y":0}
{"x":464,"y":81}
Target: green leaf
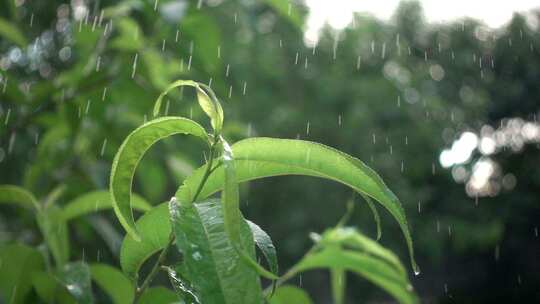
{"x":209,"y":104}
{"x":17,"y":264}
{"x":288,"y":294}
{"x":77,"y":280}
{"x":11,"y":32}
{"x":96,"y":201}
{"x":176,"y":84}
{"x":113,"y":282}
{"x":353,"y":239}
{"x":154,"y":228}
{"x":231,"y":209}
{"x":49,"y":289}
{"x":130,"y":153}
{"x":345,"y":249}
{"x":213,"y":265}
{"x":264,"y":157}
{"x":265,"y":245}
{"x":158,"y":295}
{"x":10,"y":194}
{"x":55,"y":231}
{"x":286,"y":9}
{"x":373,"y":269}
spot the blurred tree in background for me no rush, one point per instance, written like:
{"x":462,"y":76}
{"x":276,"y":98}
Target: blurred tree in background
{"x":446,"y":113}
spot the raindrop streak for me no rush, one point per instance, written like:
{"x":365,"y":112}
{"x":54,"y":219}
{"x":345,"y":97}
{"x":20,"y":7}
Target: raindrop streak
{"x":11,"y":142}
{"x":155,"y":5}
{"x":339,"y":120}
{"x":5,"y":85}
{"x":104,"y":94}
{"x":98,"y":63}
{"x":419,"y":206}
{"x":358,"y":62}
{"x":307,"y":128}
{"x":227,"y":70}
{"x":103,"y":146}
{"x":163,"y":45}
{"x":244,"y":90}
{"x":87,"y":106}
{"x":177,"y":35}
{"x":230,"y":91}
{"x":134,"y":69}
{"x":7,"y":116}
{"x":536,"y":231}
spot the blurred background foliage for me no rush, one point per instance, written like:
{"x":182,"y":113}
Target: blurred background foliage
{"x":446,"y":113}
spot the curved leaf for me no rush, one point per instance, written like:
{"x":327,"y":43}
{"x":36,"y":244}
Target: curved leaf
{"x":373,"y":269}
{"x":17,"y":264}
{"x":11,"y":194}
{"x":210,"y":106}
{"x":113,"y":282}
{"x":213,"y":266}
{"x":96,"y":201}
{"x":154,"y":228}
{"x":130,"y":153}
{"x":264,"y":243}
{"x":288,"y":294}
{"x":264,"y":157}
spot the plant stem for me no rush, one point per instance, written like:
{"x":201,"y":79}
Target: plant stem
{"x":161,"y":259}
{"x":163,"y":255}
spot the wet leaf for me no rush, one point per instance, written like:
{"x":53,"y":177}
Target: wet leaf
{"x":217,"y":272}
{"x":77,"y":280}
{"x":266,"y":246}
{"x":345,"y":249}
{"x":131,"y":152}
{"x":264,"y":157}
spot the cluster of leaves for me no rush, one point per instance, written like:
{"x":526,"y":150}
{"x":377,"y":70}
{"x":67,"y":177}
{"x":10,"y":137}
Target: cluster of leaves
{"x":216,"y":245}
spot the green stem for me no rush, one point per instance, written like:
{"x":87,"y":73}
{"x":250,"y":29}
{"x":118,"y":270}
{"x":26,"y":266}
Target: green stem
{"x":163,"y":255}
{"x":161,"y":259}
